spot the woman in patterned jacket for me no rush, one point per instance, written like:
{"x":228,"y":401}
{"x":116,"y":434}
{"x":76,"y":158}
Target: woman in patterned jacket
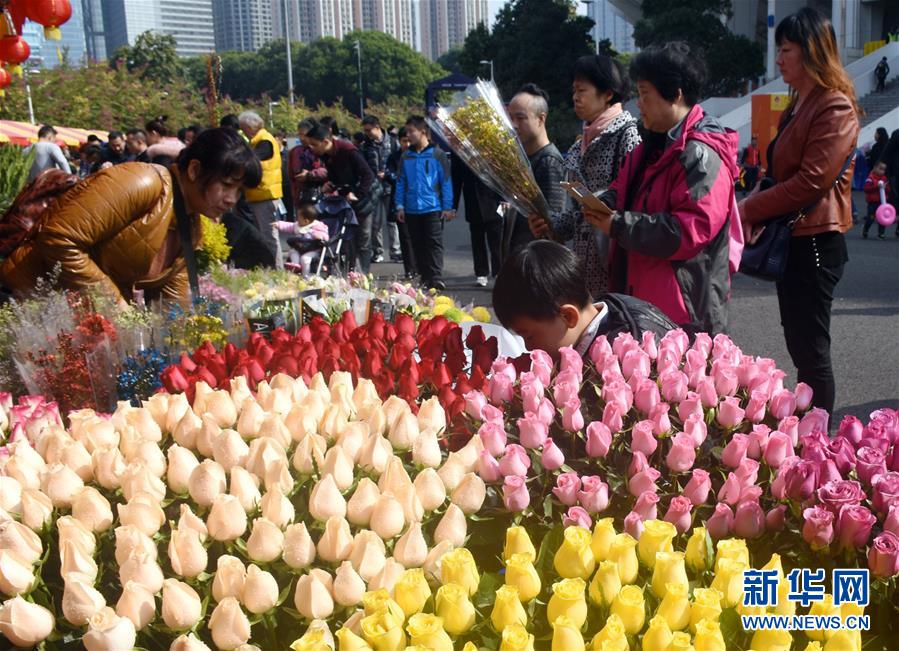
{"x":600,"y":87}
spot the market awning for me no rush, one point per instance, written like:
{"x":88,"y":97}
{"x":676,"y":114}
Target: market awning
{"x":23,"y":133}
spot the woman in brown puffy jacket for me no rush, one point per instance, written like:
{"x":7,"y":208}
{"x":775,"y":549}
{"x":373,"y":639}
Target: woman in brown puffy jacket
{"x":117,"y":230}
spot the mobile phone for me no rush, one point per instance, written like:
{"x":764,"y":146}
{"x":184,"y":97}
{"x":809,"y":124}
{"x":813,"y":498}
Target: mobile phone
{"x":584,"y":197}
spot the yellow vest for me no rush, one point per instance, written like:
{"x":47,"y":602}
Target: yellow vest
{"x":270,"y":187}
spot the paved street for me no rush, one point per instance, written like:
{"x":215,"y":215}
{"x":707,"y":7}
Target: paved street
{"x":865,"y":316}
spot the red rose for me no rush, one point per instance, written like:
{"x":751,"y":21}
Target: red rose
{"x":442,"y":378}
{"x":404,"y":324}
{"x":231,"y":355}
{"x":475,"y":337}
{"x":463,"y":385}
{"x":256,"y":372}
{"x":173,"y":379}
{"x":303,"y":335}
{"x":216,"y":366}
{"x":187,"y":364}
{"x":339,"y":332}
{"x":398,"y":356}
{"x":408,"y":390}
{"x":390,"y":333}
{"x":348,"y":319}
{"x":279,"y":337}
{"x":373,"y":365}
{"x":204,"y":374}
{"x":455,"y":353}
{"x":286,"y":364}
{"x":478,"y":378}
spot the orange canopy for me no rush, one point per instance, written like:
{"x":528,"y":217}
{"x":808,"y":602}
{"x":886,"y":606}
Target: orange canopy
{"x":23,"y":133}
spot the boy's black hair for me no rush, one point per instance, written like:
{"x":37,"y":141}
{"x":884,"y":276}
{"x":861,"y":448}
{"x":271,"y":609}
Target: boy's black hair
{"x":115,"y":135}
{"x":319,"y":132}
{"x":671,"y":67}
{"x":371,"y":119}
{"x":418,"y":122}
{"x":46,"y":130}
{"x":230,"y":121}
{"x":537,"y":280}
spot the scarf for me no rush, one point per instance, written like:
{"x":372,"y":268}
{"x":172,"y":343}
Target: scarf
{"x":598,"y":125}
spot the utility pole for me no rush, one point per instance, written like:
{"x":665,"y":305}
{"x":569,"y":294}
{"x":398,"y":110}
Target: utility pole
{"x":358,"y":46}
{"x":290,"y":96}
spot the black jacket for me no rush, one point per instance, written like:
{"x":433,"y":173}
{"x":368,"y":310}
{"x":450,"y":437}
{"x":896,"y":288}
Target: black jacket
{"x":480,"y":201}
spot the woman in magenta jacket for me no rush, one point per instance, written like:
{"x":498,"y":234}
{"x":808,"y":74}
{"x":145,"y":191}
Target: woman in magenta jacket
{"x":673,"y":221}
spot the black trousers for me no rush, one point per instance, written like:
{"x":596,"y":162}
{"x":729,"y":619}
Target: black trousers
{"x":486,"y":237}
{"x":426,"y":232}
{"x":814,"y":267}
{"x":409,"y":264}
{"x":870,"y":218}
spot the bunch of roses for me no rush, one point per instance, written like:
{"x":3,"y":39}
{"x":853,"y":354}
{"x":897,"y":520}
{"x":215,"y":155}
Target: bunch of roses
{"x":401,"y":357}
{"x":184,"y":525}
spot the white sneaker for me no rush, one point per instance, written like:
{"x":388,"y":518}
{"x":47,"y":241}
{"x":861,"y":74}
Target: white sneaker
{"x":481,"y":281}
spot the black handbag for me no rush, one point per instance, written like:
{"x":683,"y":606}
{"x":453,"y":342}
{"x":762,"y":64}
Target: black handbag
{"x":766,"y":257}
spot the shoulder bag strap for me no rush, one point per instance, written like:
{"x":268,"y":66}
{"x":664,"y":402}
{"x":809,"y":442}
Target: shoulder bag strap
{"x":186,"y":237}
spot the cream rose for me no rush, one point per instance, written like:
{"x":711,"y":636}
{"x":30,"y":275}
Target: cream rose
{"x":375,"y":453}
{"x":229,"y":449}
{"x":107,"y":631}
{"x":260,"y":593}
{"x":430,"y":489}
{"x":326,"y":501}
{"x":368,"y":555}
{"x":469,"y":495}
{"x":129,"y":539}
{"x":189,"y":520}
{"x":229,"y":625}
{"x":74,"y":561}
{"x":299,"y":550}
{"x":187,"y":429}
{"x":16,"y":576}
{"x":37,"y":509}
{"x":426,"y":449}
{"x":411,"y":549}
{"x":15,"y":537}
{"x":137,"y":478}
{"x":25,"y":624}
{"x":60,"y":483}
{"x":230,"y":578}
{"x":348,"y":585}
{"x":109,"y":466}
{"x":245,"y":487}
{"x":186,"y":553}
{"x":144,"y":512}
{"x":137,"y":604}
{"x":92,"y":509}
{"x":190,"y":642}
{"x":141,"y":568}
{"x":336,"y":542}
{"x":227,"y":520}
{"x":181,"y":464}
{"x":339,"y":465}
{"x":206,"y":482}
{"x":251,"y":417}
{"x":266,"y":541}
{"x":313,"y":598}
{"x":220,"y":407}
{"x":181,"y":605}
{"x":277,"y":508}
{"x":361,"y":504}
{"x":80,"y":602}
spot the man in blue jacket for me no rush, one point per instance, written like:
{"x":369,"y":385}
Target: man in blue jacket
{"x":424,"y":199}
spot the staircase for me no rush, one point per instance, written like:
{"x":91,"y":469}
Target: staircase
{"x":879,"y":104}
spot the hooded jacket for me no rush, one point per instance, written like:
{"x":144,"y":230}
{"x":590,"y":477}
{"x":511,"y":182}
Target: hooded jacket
{"x":424,"y":184}
{"x":676,"y":236}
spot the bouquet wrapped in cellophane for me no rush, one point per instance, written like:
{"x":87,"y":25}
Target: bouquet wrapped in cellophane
{"x":477,"y":128}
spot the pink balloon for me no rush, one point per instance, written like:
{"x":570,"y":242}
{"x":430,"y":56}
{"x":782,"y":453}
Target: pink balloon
{"x":886,"y":214}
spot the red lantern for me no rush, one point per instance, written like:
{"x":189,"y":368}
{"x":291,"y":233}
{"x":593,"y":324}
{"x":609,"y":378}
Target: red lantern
{"x":17,"y":10}
{"x":14,"y":50}
{"x":51,"y":14}
{"x":5,"y":80}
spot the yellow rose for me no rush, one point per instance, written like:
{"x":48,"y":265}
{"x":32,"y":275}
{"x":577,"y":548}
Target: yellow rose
{"x":706,"y":605}
{"x":412,"y":591}
{"x":458,"y":566}
{"x":614,"y":645}
{"x":844,"y":641}
{"x":658,"y":635}
{"x":629,"y":606}
{"x":813,"y":646}
{"x":772,"y":641}
{"x":518,"y":542}
{"x":568,"y":600}
{"x":469,"y":646}
{"x":699,"y":550}
{"x":521,"y":573}
{"x":669,"y":568}
{"x":729,"y":581}
{"x":316,"y":639}
{"x":850,"y":609}
{"x":454,"y":607}
{"x":784,"y":605}
{"x":603,"y":533}
{"x":427,"y":631}
{"x":384,"y":631}
{"x":750,"y":610}
{"x":675,"y":607}
{"x":823,"y":608}
{"x":574,"y":559}
{"x":349,"y":641}
{"x":623,"y":552}
{"x":734,"y":549}
{"x":516,"y":638}
{"x":612,"y":632}
{"x":567,"y":635}
{"x":507,"y":609}
{"x":681,"y":642}
{"x":377,"y":601}
{"x":481,"y":314}
{"x":709,"y":637}
{"x":605,"y":584}
{"x":775,"y":564}
{"x":657,"y":536}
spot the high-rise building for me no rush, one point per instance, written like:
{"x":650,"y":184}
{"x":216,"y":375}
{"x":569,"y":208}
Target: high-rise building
{"x":611,"y":24}
{"x":244,"y":25}
{"x":189,"y":21}
{"x":446,"y":23}
{"x":71,"y":47}
{"x":94,"y":34}
{"x":308,"y":20}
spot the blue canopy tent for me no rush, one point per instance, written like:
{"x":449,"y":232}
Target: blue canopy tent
{"x":455,"y":81}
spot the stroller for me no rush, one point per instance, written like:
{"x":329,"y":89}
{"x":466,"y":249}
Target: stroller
{"x":336,"y":253}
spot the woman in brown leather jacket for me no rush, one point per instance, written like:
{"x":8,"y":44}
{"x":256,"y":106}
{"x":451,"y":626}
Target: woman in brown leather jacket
{"x":816,"y":136}
{"x":117,"y":229}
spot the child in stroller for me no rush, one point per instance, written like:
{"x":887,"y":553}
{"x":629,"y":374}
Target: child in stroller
{"x":323,"y":232}
{"x":306,"y":236}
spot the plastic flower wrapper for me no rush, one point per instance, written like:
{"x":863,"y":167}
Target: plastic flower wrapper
{"x":479,"y":131}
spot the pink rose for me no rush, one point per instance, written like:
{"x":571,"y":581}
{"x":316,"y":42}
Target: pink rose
{"x":502,"y":366}
{"x":647,"y":505}
{"x":749,"y":520}
{"x":758,"y":439}
{"x":747,"y":371}
{"x":707,"y":393}
{"x":572,"y":418}
{"x":851,"y":429}
{"x":804,"y":396}
{"x":474,"y":403}
{"x":682,"y":454}
{"x":730,"y":490}
{"x":488,"y":467}
{"x":638,"y":464}
{"x":564,"y":392}
{"x":643,"y":481}
{"x":633,"y":525}
{"x":755,"y":408}
{"x":801,"y":480}
{"x":854,"y":525}
{"x":577,"y":517}
{"x":735,"y":451}
{"x":893,"y":463}
{"x":547,"y":412}
{"x":885,"y":491}
{"x":725,"y":381}
{"x":674,"y":385}
{"x":635,"y":363}
{"x":702,"y":344}
{"x":870,"y":462}
{"x":515,"y":461}
{"x":613,"y":417}
{"x":618,"y":391}
{"x":730,"y":414}
{"x":642,"y":439}
{"x":690,"y":405}
{"x":721,"y":523}
{"x":571,"y":360}
{"x":883,"y":556}
{"x":783,"y":404}
{"x":594,"y":494}
{"x":891,"y":523}
{"x":695,"y":426}
{"x":747,"y":472}
{"x":779,"y":447}
{"x":567,"y":486}
{"x":775,"y":519}
{"x":779,"y":485}
{"x":532,"y":431}
{"x":531,"y":396}
{"x":679,"y":513}
{"x":600,"y":351}
{"x":493,"y":436}
{"x":842,"y":453}
{"x":814,"y":421}
{"x":492,"y":414}
{"x":817,"y":527}
{"x":542,"y":366}
{"x":646,"y":397}
{"x":624,"y":341}
{"x":827,"y":471}
{"x":515,"y":493}
{"x":648,"y":344}
{"x":695,"y":363}
{"x":698,"y":488}
{"x":599,"y":439}
{"x":501,"y":389}
{"x":551,"y":458}
{"x":884,"y":424}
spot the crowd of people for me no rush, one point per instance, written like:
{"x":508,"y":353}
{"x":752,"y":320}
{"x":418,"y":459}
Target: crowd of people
{"x":666,"y":233}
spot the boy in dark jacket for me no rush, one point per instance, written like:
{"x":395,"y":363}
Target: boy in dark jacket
{"x":872,"y":197}
{"x":424,"y":199}
{"x":541,"y":296}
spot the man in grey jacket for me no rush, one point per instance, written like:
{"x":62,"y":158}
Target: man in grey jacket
{"x":47,"y":154}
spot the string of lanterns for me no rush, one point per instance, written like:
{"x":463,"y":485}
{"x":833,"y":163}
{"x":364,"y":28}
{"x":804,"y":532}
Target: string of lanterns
{"x":14,"y":50}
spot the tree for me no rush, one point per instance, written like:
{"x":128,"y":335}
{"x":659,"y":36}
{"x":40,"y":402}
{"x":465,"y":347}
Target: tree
{"x":731,"y":60}
{"x":449,"y":60}
{"x":153,"y":56}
